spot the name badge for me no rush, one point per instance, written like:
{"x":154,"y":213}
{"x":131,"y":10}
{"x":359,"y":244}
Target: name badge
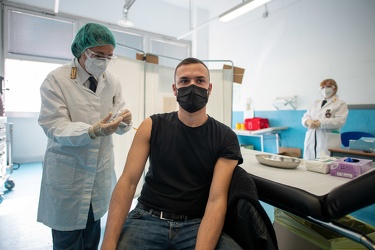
{"x":328,"y":113}
{"x":73,"y":73}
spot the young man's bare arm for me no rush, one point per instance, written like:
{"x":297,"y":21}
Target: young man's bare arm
{"x":123,"y":193}
{"x":213,"y":220}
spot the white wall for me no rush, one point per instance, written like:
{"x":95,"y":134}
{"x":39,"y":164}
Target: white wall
{"x":290,"y":52}
{"x":29,"y":140}
{"x":298,"y":45}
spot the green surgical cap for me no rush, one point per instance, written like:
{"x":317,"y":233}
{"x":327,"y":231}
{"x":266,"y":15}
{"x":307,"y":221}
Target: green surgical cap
{"x":91,"y":35}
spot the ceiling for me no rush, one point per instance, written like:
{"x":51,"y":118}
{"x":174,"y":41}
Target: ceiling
{"x":202,"y":12}
{"x":204,"y":4}
{"x":210,"y":5}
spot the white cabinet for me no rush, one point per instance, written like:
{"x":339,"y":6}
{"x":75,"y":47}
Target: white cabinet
{"x":5,"y":164}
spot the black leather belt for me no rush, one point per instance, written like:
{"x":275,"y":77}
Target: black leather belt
{"x":165,"y":215}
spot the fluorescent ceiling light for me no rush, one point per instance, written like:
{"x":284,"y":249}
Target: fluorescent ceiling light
{"x":196,"y":29}
{"x":241,"y":9}
{"x":57,"y":6}
{"x":124,"y":22}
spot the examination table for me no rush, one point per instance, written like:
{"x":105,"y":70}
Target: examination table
{"x":318,"y":198}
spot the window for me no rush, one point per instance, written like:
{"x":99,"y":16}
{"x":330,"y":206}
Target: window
{"x":23,"y":78}
{"x":170,"y":53}
{"x":37,"y":43}
{"x":128,"y":44}
{"x":40,"y":36}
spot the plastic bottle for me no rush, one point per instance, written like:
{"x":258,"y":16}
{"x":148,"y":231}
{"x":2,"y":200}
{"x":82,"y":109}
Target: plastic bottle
{"x":249,"y":110}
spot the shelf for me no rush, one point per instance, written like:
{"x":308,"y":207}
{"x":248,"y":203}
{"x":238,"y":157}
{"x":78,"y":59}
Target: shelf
{"x":270,"y":130}
{"x":260,"y":134}
{"x":285,"y":102}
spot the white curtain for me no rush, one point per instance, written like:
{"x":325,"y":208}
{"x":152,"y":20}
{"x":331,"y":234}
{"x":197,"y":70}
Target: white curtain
{"x":220,"y":102}
{"x":131,"y":75}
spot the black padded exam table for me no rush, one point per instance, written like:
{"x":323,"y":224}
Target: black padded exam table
{"x":318,"y":198}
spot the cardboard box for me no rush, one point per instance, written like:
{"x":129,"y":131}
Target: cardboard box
{"x":248,"y":146}
{"x":350,"y":167}
{"x":293,"y":152}
{"x":150,"y":58}
{"x":256,"y":123}
{"x":322,"y":165}
{"x":237,"y":73}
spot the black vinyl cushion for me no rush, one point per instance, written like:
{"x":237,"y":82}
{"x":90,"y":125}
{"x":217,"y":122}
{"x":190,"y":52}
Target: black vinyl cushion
{"x":347,"y":198}
{"x":353,"y":195}
{"x":291,"y":199}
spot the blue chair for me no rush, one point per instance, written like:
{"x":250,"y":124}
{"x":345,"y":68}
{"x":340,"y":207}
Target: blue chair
{"x":352,"y":135}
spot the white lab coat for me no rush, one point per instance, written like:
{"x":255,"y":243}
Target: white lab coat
{"x":77,"y":170}
{"x":328,"y":134}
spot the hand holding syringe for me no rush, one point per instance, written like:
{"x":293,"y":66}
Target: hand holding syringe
{"x":126,"y":117}
{"x":110,"y":123}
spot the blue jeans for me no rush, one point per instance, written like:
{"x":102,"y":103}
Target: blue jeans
{"x":145,"y":231}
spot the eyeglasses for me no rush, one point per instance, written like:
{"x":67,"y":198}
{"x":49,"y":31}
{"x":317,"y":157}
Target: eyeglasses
{"x":322,"y":87}
{"x":93,"y":54}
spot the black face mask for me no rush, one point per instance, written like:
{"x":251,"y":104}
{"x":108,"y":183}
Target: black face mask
{"x":192,"y":98}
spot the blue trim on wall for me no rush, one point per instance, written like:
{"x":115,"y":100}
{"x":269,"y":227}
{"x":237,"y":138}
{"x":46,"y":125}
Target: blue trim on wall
{"x":294,"y":136}
{"x":360,"y":120}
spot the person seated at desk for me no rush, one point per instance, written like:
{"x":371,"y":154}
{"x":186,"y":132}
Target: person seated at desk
{"x":323,"y":121}
{"x":192,"y":157}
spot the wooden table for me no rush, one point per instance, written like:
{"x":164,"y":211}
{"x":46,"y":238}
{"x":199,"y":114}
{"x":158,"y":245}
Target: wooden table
{"x":346,"y":152}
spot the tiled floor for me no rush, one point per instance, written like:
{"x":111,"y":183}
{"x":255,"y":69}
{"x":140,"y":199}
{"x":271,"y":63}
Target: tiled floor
{"x":19,"y":229}
{"x":18,"y":226}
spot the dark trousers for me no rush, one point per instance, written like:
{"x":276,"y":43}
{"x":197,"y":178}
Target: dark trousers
{"x":85,"y":239}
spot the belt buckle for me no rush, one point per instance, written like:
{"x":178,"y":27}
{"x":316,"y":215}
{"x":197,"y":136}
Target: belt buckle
{"x":161,"y":216}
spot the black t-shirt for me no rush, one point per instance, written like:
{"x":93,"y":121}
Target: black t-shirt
{"x":182,"y":161}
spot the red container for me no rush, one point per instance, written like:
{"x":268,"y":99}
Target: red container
{"x":256,"y":123}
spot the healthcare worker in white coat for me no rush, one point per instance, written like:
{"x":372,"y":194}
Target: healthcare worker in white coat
{"x":82,"y":105}
{"x":323,"y":121}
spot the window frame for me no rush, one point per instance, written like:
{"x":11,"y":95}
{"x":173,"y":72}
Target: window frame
{"x":147,"y":38}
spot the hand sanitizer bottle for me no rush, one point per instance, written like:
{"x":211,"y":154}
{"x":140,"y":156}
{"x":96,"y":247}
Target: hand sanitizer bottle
{"x":249,"y":110}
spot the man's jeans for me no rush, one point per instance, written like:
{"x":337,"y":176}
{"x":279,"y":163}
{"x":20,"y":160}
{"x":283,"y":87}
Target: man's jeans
{"x":145,"y":231}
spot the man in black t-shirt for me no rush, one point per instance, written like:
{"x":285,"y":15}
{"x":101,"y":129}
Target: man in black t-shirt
{"x":192,"y":157}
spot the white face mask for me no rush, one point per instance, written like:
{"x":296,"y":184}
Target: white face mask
{"x":327,"y":92}
{"x":95,"y":66}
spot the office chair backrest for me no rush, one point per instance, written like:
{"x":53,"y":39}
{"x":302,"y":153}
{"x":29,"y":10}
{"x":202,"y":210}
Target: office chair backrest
{"x":353,"y":135}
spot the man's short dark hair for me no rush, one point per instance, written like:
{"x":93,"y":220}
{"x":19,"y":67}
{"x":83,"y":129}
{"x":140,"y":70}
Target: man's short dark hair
{"x":190,"y":60}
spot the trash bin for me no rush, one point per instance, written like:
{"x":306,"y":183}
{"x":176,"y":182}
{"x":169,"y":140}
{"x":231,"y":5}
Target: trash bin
{"x":295,"y":233}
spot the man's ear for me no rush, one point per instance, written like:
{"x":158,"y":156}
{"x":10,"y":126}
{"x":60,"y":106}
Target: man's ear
{"x":174,"y":88}
{"x":209,"y":89}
